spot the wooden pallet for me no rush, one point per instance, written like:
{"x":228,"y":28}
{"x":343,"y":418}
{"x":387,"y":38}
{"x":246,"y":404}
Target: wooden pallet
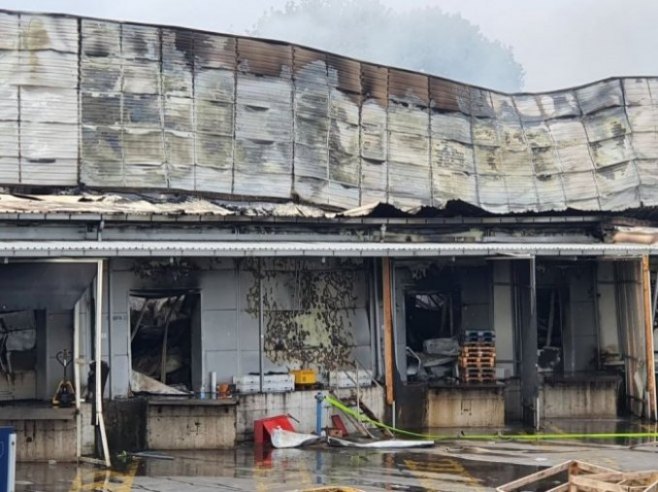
{"x":478,"y":352}
{"x":477,"y":364}
{"x":478,"y":371}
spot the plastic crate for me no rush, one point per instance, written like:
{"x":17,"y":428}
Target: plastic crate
{"x":349,"y":379}
{"x":304,"y":377}
{"x":272,"y":383}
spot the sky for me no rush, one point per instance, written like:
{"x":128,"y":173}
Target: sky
{"x":560,"y":43}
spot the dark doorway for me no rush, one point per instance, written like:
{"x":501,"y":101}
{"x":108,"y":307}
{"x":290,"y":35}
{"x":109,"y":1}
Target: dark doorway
{"x":551,"y":316}
{"x":429,"y":315}
{"x":161,"y":334}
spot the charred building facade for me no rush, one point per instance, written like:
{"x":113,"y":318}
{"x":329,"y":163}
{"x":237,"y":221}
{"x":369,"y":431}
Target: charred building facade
{"x":185,"y":205}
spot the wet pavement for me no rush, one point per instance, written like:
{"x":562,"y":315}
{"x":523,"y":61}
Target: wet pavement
{"x":250,"y":469}
{"x":451,"y":466}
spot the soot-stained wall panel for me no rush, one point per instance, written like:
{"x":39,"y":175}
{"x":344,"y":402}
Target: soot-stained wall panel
{"x":106,"y":104}
{"x":39,"y":108}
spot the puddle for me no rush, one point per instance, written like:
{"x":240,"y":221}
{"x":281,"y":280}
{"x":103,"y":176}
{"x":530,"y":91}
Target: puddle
{"x":252,"y":469}
{"x":247,"y":469}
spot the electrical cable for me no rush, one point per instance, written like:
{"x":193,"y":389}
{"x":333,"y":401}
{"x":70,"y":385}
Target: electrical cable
{"x":496,"y":436}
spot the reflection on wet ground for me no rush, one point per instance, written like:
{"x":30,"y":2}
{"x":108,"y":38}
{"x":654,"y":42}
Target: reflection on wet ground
{"x":247,"y":468}
{"x":451,"y":466}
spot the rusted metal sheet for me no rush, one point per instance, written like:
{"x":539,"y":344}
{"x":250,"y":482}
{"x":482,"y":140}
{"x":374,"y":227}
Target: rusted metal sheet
{"x":109,"y":104}
{"x":408,"y":87}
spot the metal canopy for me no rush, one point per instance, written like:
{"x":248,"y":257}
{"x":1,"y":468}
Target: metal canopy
{"x":107,"y":249}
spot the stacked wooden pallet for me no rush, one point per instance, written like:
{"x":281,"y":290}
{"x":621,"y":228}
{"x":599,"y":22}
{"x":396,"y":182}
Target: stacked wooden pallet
{"x":477,"y":358}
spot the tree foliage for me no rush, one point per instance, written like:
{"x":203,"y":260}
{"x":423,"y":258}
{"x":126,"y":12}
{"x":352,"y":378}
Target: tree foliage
{"x":427,"y":39}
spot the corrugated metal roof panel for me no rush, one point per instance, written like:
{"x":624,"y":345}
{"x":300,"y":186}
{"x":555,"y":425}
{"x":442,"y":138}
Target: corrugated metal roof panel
{"x":579,"y":187}
{"x":611,"y":152}
{"x":100,"y":39}
{"x":374,"y":83}
{"x":54,"y":172}
{"x":344,"y":73}
{"x":9,"y":26}
{"x":374,"y":139}
{"x":213,"y":179}
{"x":215,"y":151}
{"x":559,"y":105}
{"x":599,"y":96}
{"x":636,"y":92}
{"x":453,"y":185}
{"x":49,"y":105}
{"x":169,"y":109}
{"x":214,"y":84}
{"x":140,"y":42}
{"x":263,"y":58}
{"x":550,"y":192}
{"x":643,"y":118}
{"x":45,"y":32}
{"x":645,"y":145}
{"x":575,"y":158}
{"x":605,"y":124}
{"x":524,"y":195}
{"x":215,"y":51}
{"x":408,"y":87}
{"x":528,"y":107}
{"x":45,"y":141}
{"x":484,"y":132}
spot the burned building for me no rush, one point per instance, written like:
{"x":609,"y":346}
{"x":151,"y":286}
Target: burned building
{"x":180,"y":203}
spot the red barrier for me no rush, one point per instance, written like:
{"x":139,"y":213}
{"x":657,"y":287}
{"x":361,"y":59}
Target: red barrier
{"x":263,"y":428}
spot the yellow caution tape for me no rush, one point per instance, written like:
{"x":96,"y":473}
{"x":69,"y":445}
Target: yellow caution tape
{"x":497,"y":436}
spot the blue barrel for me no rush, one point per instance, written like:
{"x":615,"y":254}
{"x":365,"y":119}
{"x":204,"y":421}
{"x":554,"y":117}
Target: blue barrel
{"x":7,"y":459}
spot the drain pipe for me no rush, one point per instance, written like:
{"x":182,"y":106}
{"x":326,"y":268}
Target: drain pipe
{"x":260,"y":326}
{"x":100,"y":421}
{"x":319,"y":398}
{"x":76,"y":379}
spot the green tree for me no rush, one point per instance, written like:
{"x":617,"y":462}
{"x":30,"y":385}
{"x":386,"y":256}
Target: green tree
{"x":427,"y":40}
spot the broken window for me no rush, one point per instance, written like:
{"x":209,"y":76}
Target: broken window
{"x":550,"y":326}
{"x":161,"y":335}
{"x":429,"y":315}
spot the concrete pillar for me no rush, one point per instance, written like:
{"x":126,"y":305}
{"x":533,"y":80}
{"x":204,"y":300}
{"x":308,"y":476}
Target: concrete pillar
{"x":503,"y":317}
{"x":526,"y":322}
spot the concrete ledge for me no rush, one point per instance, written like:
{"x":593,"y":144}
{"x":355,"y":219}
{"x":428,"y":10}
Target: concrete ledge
{"x":579,"y":398}
{"x":194,"y":403}
{"x":32,"y":413}
{"x":43,"y":440}
{"x":301,"y":405}
{"x":466,"y":406}
{"x":190,"y":426}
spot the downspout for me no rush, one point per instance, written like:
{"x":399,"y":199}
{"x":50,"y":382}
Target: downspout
{"x":374,"y":329}
{"x":76,"y":379}
{"x":388,"y":330}
{"x":100,"y":421}
{"x":648,"y":338}
{"x":260,"y":325}
{"x":109,"y":329}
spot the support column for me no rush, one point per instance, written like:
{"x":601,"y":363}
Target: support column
{"x":388,"y":330}
{"x":526,"y":301}
{"x":648,"y":338}
{"x":100,"y":422}
{"x":261,"y":327}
